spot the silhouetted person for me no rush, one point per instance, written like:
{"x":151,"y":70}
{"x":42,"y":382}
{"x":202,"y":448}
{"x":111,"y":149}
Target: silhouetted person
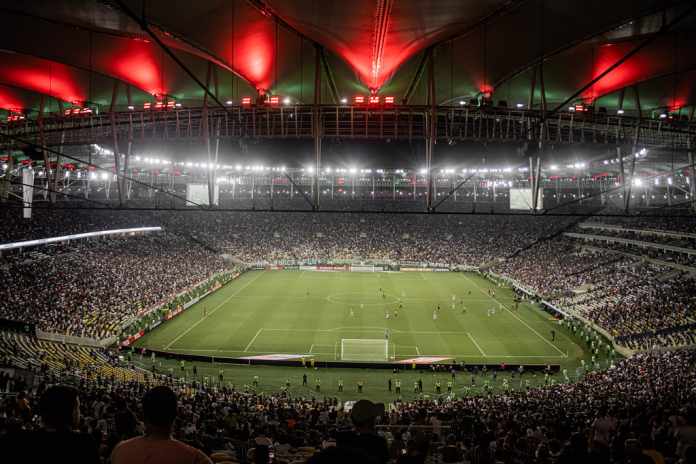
{"x":158,"y":446}
{"x":363,"y":440}
{"x":56,"y":441}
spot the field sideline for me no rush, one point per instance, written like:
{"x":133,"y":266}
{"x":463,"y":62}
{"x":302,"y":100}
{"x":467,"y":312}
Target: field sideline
{"x":309,"y":313}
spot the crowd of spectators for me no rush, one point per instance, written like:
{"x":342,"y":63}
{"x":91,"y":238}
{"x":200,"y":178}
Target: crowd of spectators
{"x":640,"y":410}
{"x":640,"y":303}
{"x":91,"y":288}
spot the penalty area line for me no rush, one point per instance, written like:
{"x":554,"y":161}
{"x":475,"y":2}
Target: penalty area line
{"x":253,"y":340}
{"x":478,"y":347}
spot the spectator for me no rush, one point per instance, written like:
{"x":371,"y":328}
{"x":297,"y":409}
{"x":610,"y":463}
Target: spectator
{"x":56,"y":441}
{"x":157,"y":446}
{"x":363,"y":439}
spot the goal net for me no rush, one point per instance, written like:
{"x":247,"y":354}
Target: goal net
{"x":360,"y":349}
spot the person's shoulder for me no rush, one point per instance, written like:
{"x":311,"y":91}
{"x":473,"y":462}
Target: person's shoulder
{"x":198,"y":455}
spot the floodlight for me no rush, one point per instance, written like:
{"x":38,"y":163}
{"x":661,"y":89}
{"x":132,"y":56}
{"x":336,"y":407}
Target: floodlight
{"x":620,"y":111}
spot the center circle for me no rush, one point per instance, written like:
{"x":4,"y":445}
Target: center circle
{"x":362,"y":298}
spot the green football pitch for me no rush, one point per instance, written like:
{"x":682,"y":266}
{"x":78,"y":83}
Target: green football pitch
{"x":310,"y":313}
{"x":365,"y":317}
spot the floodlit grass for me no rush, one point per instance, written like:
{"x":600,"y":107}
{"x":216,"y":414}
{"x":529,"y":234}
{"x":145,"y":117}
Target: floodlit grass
{"x":309,"y":313}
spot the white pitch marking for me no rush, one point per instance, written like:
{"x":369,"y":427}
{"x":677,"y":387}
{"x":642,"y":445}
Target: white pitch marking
{"x":477,"y":345}
{"x":253,"y":340}
{"x":195,"y":324}
{"x":517,"y":317}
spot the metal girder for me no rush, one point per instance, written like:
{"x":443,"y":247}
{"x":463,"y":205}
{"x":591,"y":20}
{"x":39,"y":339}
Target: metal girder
{"x":205,"y":132}
{"x":532,"y":88}
{"x":145,"y":27}
{"x":432,"y":132}
{"x":329,"y":76}
{"x":427,"y":54}
{"x":626,"y":56}
{"x":316,"y":126}
{"x":629,"y":182}
{"x":117,"y":157}
{"x":57,"y":174}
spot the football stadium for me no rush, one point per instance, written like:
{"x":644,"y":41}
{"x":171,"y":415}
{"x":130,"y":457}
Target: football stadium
{"x":383,"y":231}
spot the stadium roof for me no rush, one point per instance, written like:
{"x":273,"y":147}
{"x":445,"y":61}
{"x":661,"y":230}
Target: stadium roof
{"x":70,"y":52}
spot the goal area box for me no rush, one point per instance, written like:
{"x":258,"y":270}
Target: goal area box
{"x":361,"y":349}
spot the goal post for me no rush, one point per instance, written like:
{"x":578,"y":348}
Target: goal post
{"x":364,"y":349}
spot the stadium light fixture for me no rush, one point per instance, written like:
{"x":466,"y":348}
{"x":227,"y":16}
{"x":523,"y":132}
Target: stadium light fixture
{"x":353,"y":170}
{"x":663,"y":115}
{"x":571,"y":109}
{"x":620,"y":111}
{"x":520,"y":105}
{"x":423,"y":171}
{"x":177,"y":105}
{"x":344,"y":100}
{"x":229,"y":102}
{"x":104,"y":176}
{"x":286,"y":101}
{"x":553,"y":167}
{"x":462,"y":103}
{"x":131,"y":107}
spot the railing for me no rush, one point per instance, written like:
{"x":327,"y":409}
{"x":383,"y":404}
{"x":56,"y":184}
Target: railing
{"x":393,"y":123}
{"x":627,"y":241}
